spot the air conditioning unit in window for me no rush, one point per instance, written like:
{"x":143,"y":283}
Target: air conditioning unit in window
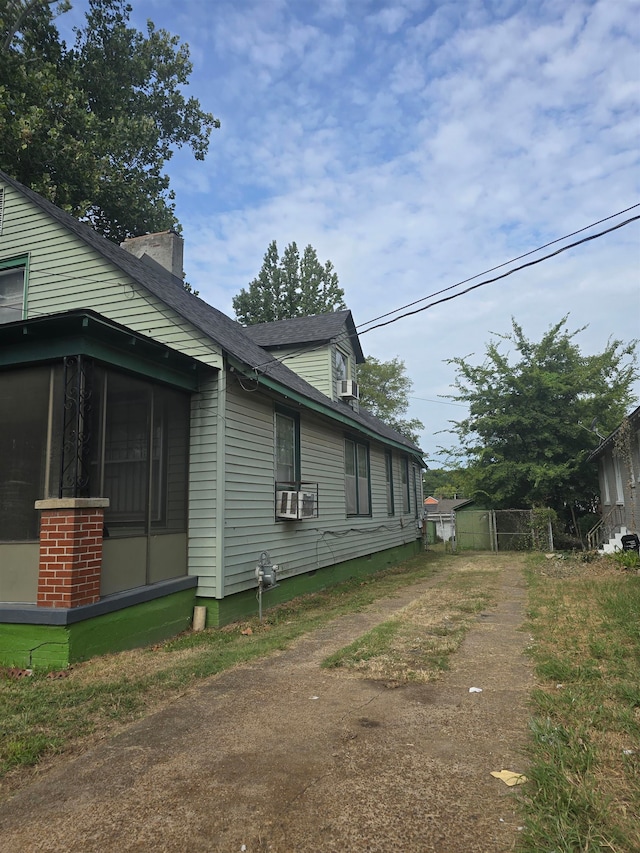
{"x":287,"y":504}
{"x":306,"y":504}
{"x":348,"y":389}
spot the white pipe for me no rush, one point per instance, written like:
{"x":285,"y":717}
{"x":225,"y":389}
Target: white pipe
{"x":199,"y":618}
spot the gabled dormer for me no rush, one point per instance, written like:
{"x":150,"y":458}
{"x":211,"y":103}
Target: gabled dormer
{"x":323,"y":349}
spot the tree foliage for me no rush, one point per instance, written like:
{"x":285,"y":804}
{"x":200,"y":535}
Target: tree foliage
{"x":444,"y":483}
{"x":91,"y":127}
{"x":384,"y":391}
{"x":289,"y":286}
{"x":528,"y":434}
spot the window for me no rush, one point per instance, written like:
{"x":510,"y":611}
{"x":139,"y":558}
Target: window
{"x":388,"y":465}
{"x":406,"y":497}
{"x":619,"y":486}
{"x":12,"y":288}
{"x":357,"y":481}
{"x":342,"y":366}
{"x":604,"y":473}
{"x":287,"y":429}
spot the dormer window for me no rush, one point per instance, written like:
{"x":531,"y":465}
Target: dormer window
{"x":342,"y":365}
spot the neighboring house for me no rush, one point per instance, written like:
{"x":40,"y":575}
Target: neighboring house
{"x":618,"y":459}
{"x":441,"y":511}
{"x":152,"y":449}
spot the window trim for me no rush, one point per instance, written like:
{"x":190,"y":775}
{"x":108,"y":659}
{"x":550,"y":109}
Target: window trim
{"x":18,"y":262}
{"x":297,"y":466}
{"x":358,"y":442}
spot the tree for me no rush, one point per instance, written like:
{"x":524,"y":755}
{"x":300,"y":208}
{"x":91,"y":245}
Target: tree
{"x":384,"y":391}
{"x":527,"y":437}
{"x":289,"y":286}
{"x":91,"y":127}
{"x":444,"y":483}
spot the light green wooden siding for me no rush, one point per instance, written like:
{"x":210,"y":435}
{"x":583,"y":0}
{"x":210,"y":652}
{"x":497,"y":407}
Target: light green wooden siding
{"x":203,"y":485}
{"x":314,"y":365}
{"x":65,"y":273}
{"x":317,"y":365}
{"x":300,"y":546}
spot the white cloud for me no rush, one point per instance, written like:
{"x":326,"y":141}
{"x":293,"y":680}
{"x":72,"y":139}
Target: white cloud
{"x":415,"y":146}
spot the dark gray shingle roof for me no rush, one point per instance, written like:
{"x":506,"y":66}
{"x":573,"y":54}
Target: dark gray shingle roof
{"x":224,"y":331}
{"x":307,"y":331}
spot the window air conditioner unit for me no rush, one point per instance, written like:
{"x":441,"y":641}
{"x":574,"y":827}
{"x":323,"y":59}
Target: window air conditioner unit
{"x":348,"y":389}
{"x":287,"y":504}
{"x":306,"y":504}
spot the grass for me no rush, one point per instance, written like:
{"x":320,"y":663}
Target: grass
{"x":584,"y":751}
{"x":416,"y":645}
{"x":42,"y":716}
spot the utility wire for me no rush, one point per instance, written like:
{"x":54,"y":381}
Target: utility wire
{"x":499,"y":266}
{"x":503,"y":275}
{"x":345,"y":336}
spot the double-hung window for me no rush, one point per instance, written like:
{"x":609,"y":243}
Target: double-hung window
{"x":357,"y":479}
{"x":287,"y":432}
{"x":406,"y":495}
{"x":388,"y":467}
{"x":13,"y":275}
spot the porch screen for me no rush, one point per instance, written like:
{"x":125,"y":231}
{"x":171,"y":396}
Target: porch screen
{"x":145,"y":455}
{"x":24,"y":415}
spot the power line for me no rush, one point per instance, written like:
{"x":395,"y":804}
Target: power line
{"x":504,"y":275}
{"x":499,"y":266}
{"x":345,"y":336}
{"x":443,"y":402}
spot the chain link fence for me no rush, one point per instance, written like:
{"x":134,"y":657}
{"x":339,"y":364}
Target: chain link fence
{"x":495,"y":530}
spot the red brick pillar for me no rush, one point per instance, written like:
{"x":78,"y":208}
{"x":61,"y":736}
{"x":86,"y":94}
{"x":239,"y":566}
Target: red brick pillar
{"x":70,"y":551}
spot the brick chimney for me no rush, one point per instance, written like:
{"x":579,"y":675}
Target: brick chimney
{"x":165,"y":248}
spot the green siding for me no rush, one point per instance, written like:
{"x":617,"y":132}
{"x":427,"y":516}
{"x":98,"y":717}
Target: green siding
{"x":244,"y":604}
{"x":45,"y":646}
{"x":65,"y":273}
{"x":53,"y":646}
{"x":302,"y":546}
{"x":313,"y":365}
{"x":203,"y":484}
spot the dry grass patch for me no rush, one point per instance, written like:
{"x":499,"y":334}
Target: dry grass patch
{"x":416,"y":645}
{"x":585,"y":747}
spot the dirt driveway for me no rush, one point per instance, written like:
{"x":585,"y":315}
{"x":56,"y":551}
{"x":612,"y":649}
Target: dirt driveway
{"x":284,"y":756}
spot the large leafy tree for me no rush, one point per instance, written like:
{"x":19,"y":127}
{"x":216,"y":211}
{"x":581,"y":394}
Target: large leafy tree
{"x":444,"y":483}
{"x":91,"y":127}
{"x":531,"y":412}
{"x":289,"y":286}
{"x":384,"y":391}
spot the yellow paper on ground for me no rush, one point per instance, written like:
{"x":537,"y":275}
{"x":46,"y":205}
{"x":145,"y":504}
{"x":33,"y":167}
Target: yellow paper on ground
{"x":509,"y":777}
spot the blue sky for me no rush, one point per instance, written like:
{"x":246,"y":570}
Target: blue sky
{"x":415,"y":144}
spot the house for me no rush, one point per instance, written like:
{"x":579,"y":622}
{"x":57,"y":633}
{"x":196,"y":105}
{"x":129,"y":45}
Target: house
{"x":153,"y":452}
{"x":441,"y":511}
{"x":618,"y":460}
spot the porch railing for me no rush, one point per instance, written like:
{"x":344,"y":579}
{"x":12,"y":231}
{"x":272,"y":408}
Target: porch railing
{"x":606,"y":528}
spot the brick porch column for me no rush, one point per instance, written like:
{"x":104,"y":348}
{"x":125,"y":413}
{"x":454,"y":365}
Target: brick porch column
{"x":70,"y":551}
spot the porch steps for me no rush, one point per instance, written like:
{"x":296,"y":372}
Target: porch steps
{"x":615,"y":543}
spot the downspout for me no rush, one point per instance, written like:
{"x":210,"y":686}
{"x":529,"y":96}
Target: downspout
{"x":221,"y":479}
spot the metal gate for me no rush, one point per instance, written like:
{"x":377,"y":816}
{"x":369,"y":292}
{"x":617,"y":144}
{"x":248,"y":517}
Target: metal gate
{"x":501,"y":530}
